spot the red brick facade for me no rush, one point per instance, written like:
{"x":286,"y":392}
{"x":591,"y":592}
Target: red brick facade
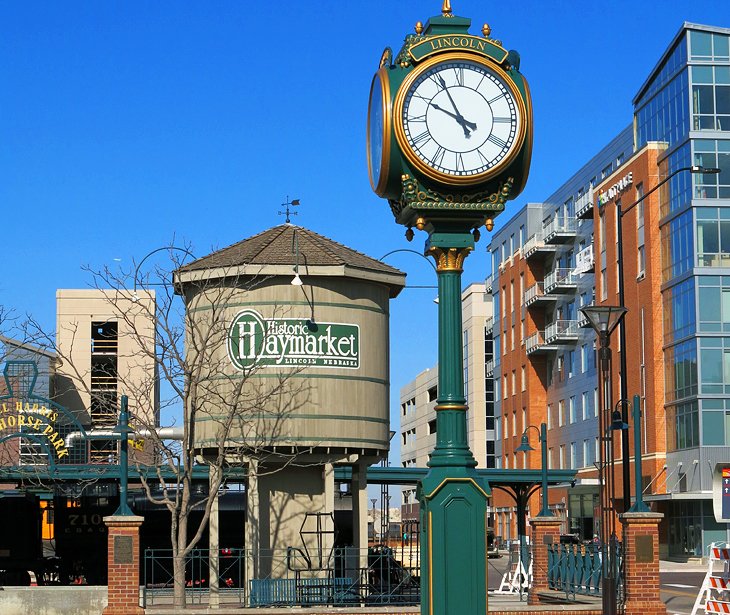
{"x":545,"y":530}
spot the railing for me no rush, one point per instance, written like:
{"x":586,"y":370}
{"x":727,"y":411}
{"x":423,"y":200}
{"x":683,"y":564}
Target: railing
{"x":576,"y":569}
{"x":533,"y":244}
{"x":532,"y":293}
{"x":104,"y":346}
{"x":534,"y":341}
{"x":561,"y":330}
{"x":559,"y":225}
{"x":559,"y":278}
{"x":489,"y":282}
{"x":584,"y":204}
{"x":489,"y":367}
{"x":489,"y":324}
{"x":289,"y":578}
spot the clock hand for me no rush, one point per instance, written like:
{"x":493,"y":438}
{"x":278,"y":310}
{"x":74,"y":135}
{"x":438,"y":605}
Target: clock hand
{"x":465,"y":124}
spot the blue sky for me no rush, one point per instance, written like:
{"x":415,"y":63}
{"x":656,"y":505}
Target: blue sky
{"x":125,"y":124}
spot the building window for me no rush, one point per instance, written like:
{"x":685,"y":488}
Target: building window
{"x":708,"y":46}
{"x":523,"y":380}
{"x":683,"y":426}
{"x":562,"y":457}
{"x":677,"y":246}
{"x":595,"y":402}
{"x":680,"y":369}
{"x":505,"y":392}
{"x":714,"y":304}
{"x":573,"y":455}
{"x":585,"y":403}
{"x":561,"y":412}
{"x":549,"y":416}
{"x":679,"y":311}
{"x":572,"y":409}
{"x":712,"y":153}
{"x":514,"y":383}
{"x":587,"y":453}
{"x":640,"y":252}
{"x":713,"y":237}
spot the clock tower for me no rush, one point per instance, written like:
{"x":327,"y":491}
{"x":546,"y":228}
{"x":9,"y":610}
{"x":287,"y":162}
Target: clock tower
{"x":449,"y":143}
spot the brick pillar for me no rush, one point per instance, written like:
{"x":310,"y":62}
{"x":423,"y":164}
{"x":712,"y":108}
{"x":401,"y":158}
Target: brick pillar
{"x":641,"y":565}
{"x":545,"y":531}
{"x":123,"y":560}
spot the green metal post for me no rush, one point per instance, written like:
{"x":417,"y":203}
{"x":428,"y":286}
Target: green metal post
{"x":639,"y":505}
{"x":123,"y":430}
{"x":453,"y":499}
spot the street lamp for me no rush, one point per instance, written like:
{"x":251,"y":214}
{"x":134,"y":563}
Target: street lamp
{"x":123,"y":429}
{"x":525,"y":447}
{"x":604,"y":319}
{"x":135,"y":297}
{"x":621,"y":212}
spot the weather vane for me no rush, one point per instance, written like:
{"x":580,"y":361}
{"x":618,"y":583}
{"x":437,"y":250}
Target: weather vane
{"x":288,"y":212}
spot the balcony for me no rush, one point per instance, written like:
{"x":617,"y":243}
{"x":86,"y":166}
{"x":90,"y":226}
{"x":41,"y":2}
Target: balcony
{"x":560,"y":280}
{"x":562,"y":332}
{"x":535,"y":295}
{"x":585,"y":261}
{"x":489,"y":368}
{"x":584,"y":206}
{"x":536,"y":245}
{"x":536,"y":344}
{"x":560,"y":230}
{"x":489,"y":324}
{"x":489,"y":282}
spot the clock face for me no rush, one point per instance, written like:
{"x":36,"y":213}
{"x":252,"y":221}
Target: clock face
{"x":462,"y":120}
{"x":378,"y":140}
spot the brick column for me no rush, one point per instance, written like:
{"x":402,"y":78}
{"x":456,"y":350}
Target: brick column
{"x":641,"y":564}
{"x":123,"y":561}
{"x":545,"y":531}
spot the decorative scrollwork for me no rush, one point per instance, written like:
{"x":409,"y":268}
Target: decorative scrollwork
{"x":449,"y":259}
{"x":418,"y":196}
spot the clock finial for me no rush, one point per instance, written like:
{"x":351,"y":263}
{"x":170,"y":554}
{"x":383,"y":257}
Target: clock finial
{"x":446,"y":9}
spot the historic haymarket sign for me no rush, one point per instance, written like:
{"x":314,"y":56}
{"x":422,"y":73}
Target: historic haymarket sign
{"x":616,"y":189}
{"x":33,"y":418}
{"x":254,"y":341}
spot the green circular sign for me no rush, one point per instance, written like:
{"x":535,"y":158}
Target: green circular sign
{"x":246,"y":339}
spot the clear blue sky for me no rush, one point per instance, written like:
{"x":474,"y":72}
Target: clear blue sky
{"x":125,"y":124}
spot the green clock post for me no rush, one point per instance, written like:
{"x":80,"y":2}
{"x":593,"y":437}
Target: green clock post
{"x":449,"y":142}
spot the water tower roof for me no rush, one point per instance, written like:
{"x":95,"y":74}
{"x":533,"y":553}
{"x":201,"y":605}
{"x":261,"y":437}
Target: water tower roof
{"x":281,"y":248}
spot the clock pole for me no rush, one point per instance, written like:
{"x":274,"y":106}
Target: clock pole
{"x":453,"y":500}
{"x":448,"y":174}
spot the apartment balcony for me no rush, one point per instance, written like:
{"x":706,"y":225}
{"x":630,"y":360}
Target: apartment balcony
{"x":584,"y":206}
{"x":104,"y":346}
{"x":536,"y":344}
{"x":489,"y":324}
{"x":585,"y":261}
{"x":560,"y":280}
{"x":535,"y":246}
{"x":535,"y":295}
{"x":560,"y":230}
{"x":562,"y":332}
{"x":489,"y":282}
{"x":489,"y":368}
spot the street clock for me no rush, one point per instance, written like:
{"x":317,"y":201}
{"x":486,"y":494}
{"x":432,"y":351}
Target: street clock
{"x":449,"y":125}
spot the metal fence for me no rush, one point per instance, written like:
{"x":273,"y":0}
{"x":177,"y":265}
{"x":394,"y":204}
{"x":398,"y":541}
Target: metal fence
{"x":576,"y":569}
{"x":381,"y":575}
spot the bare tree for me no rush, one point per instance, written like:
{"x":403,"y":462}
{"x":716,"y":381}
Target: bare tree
{"x":173,"y":342}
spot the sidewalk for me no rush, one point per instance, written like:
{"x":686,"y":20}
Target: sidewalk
{"x":691,"y":566}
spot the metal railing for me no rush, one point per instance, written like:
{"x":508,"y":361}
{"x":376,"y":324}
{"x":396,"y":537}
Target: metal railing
{"x":561,"y":330}
{"x":576,"y":568}
{"x":489,"y":367}
{"x":532,"y":293}
{"x":559,"y":225}
{"x":283,"y":578}
{"x":489,"y":282}
{"x":558,"y":279}
{"x":535,"y":242}
{"x":584,"y":204}
{"x":489,"y":324}
{"x":534,"y":341}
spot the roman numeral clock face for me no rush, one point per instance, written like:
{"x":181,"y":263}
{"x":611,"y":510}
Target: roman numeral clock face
{"x":461,"y":121}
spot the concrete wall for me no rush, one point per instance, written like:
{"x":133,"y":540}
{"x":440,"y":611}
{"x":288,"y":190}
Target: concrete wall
{"x":52,"y":600}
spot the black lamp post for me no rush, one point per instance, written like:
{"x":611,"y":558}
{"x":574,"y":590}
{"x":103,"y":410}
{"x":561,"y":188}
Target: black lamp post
{"x":621,"y":212}
{"x":604,"y":320}
{"x":525,"y":447}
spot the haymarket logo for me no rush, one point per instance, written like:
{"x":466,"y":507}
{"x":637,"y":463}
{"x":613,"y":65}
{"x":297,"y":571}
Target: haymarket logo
{"x":290,"y":342}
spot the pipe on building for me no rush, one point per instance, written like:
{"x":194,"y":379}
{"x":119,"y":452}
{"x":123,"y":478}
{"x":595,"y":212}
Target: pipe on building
{"x":163,"y":433}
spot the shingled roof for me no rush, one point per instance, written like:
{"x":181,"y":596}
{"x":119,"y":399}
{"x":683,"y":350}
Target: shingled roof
{"x":278,"y":246}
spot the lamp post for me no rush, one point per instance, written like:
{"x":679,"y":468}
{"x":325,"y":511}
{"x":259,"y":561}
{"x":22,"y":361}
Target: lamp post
{"x":621,"y":212}
{"x":604,"y":320}
{"x":525,"y":447}
{"x":123,"y":429}
{"x":545,"y":511}
{"x":146,"y":256}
